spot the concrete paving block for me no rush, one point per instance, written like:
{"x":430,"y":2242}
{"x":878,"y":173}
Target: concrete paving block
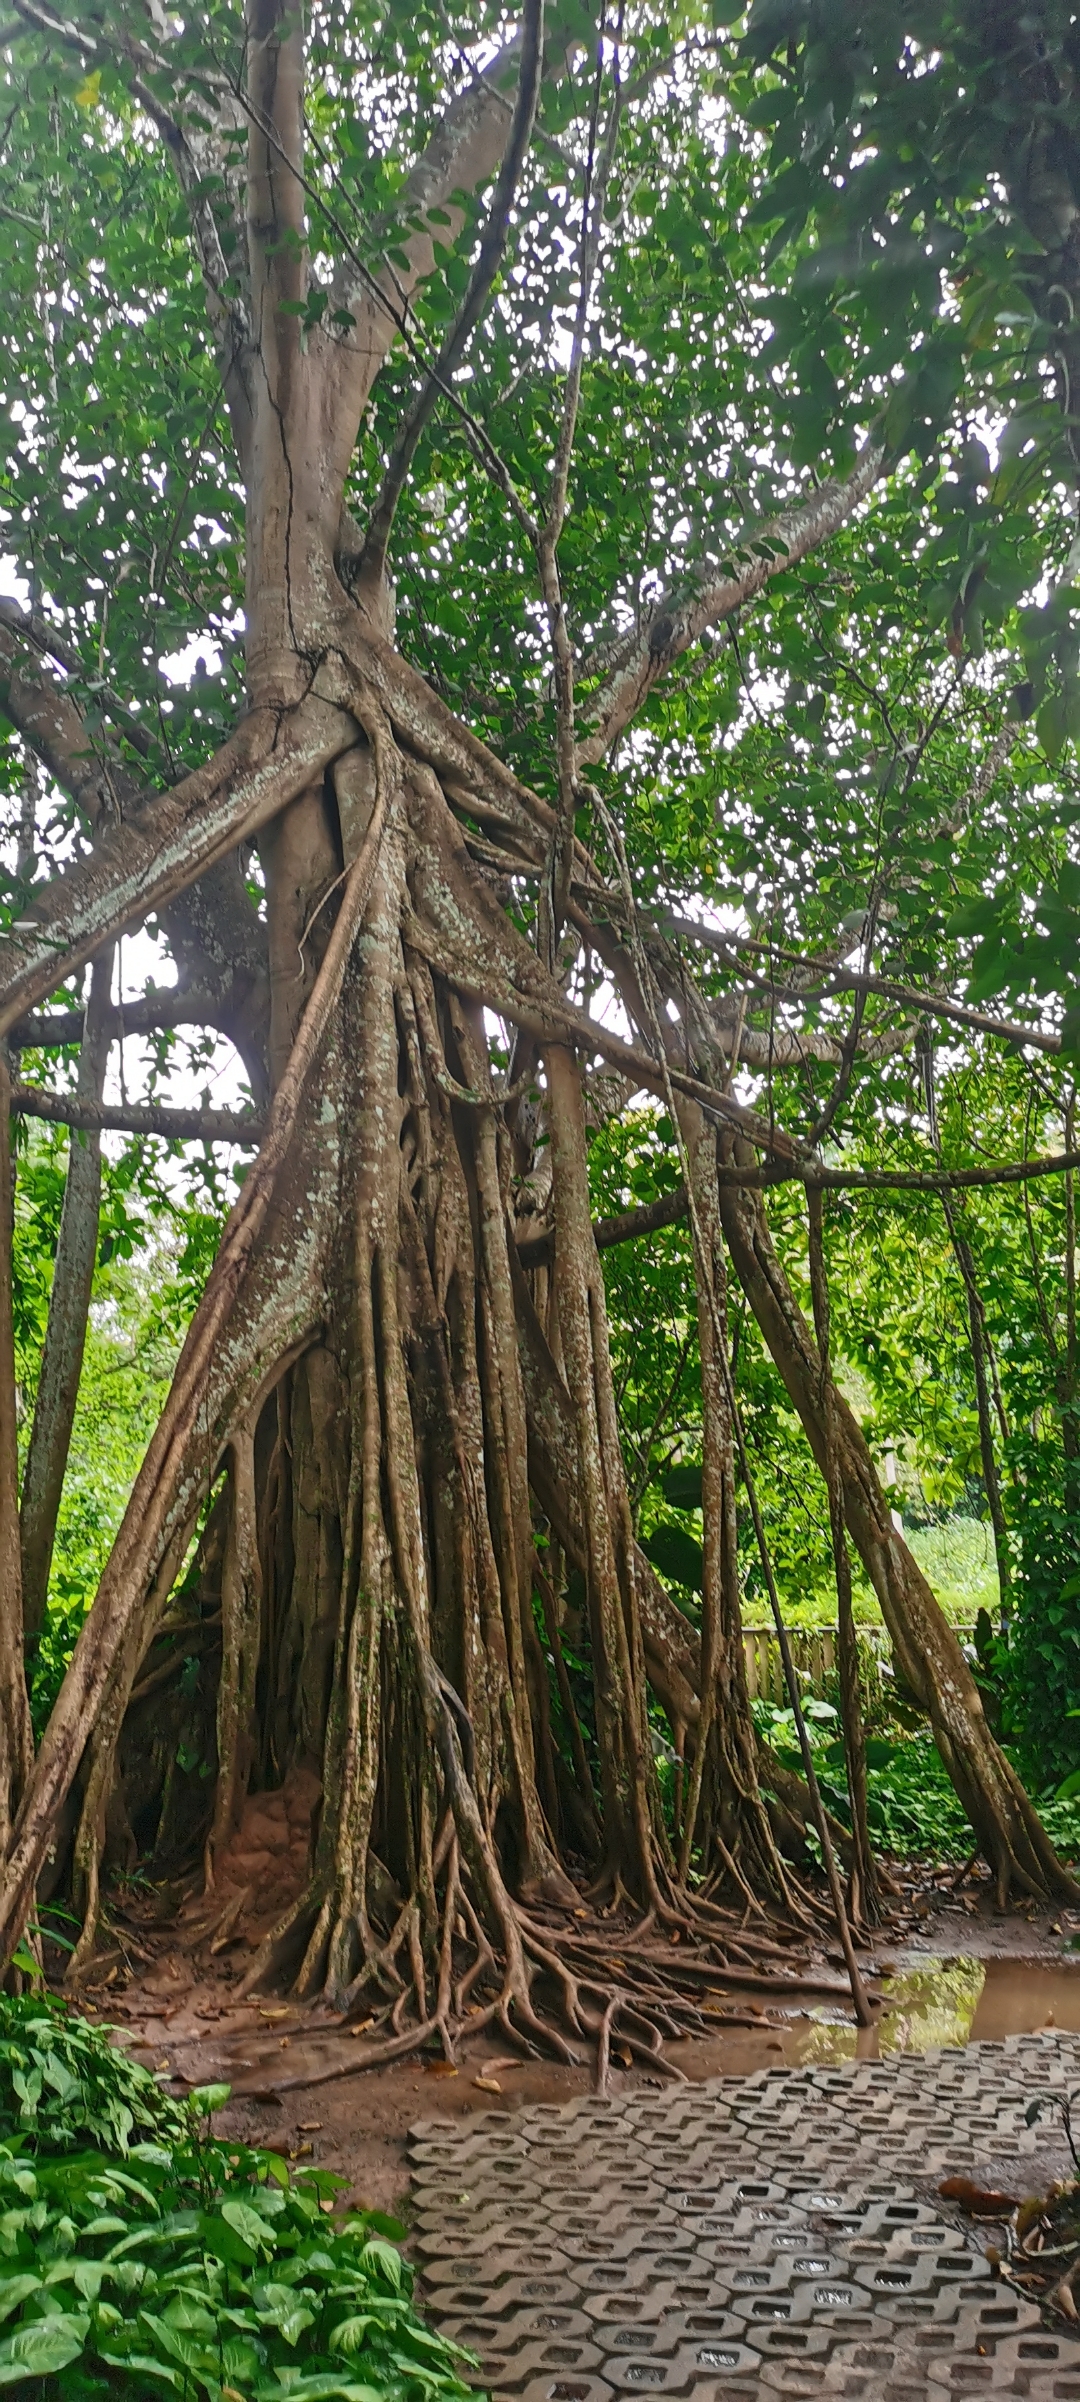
{"x":744,"y":2238}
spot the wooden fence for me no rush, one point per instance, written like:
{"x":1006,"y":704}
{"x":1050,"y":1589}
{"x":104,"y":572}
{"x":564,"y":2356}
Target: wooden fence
{"x":813,"y":1650}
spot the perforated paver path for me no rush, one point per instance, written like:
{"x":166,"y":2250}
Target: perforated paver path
{"x":744,"y":2238}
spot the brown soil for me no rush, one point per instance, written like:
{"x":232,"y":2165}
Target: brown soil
{"x":170,"y":1973}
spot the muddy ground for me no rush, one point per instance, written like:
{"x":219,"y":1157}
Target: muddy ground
{"x":172,"y":1984}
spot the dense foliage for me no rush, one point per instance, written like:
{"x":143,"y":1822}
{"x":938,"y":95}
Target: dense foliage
{"x":177,"y":2263}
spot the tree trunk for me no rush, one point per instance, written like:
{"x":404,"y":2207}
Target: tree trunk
{"x":16,"y":1746}
{"x":69,"y":1303}
{"x":987,"y":1453}
{"x":374,"y":1419}
{"x":864,"y":1893}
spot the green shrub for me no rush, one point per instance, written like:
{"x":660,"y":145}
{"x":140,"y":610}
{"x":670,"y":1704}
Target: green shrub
{"x":1042,"y":1670}
{"x":138,"y":2255}
{"x":911,"y":1807}
{"x":204,"y":2270}
{"x":63,"y":2085}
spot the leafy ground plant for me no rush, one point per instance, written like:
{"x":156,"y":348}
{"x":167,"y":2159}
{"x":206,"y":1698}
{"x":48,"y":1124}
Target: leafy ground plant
{"x":138,"y":2254}
{"x":64,"y":2085}
{"x":205,"y":2270}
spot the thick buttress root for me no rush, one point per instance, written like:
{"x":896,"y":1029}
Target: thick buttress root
{"x":463,"y":1956}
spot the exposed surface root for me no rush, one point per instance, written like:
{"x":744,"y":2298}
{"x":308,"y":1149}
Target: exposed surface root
{"x":571,"y":1984}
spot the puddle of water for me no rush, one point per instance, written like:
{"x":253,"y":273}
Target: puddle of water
{"x":933,"y":2001}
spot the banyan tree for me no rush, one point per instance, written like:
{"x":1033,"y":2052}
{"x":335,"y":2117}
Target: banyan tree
{"x":476,"y":389}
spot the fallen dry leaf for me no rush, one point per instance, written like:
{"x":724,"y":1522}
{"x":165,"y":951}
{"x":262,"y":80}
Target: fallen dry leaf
{"x":308,"y":2126}
{"x":495,"y":2068}
{"x":488,"y":2084}
{"x":440,"y":2068}
{"x":283,"y":2013}
{"x":1062,"y":2295}
{"x":362,"y":2026}
{"x":976,"y":2200}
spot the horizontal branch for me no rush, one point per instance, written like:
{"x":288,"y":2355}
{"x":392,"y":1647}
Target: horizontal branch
{"x":680,"y":618}
{"x":534,"y":1250}
{"x":908,"y":1180}
{"x":152,"y":1013}
{"x":768,"y":1047}
{"x":179,"y":1125}
{"x":837,"y":979}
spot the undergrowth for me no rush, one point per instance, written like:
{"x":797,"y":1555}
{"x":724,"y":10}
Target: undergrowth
{"x":176,"y":2263}
{"x":912,"y":1808}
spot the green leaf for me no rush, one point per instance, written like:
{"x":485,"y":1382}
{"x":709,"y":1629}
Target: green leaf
{"x":224,"y":2242}
{"x":1051,"y":726}
{"x":383,"y":2224}
{"x":14,"y":2290}
{"x":42,"y":2348}
{"x":248,"y":2224}
{"x":209,"y":2098}
{"x":278,"y":2306}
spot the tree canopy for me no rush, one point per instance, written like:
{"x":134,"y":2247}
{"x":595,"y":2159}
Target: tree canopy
{"x":542,"y":665}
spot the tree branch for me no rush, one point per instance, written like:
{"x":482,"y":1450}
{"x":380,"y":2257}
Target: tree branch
{"x":488,"y":261}
{"x":786,"y":1046}
{"x":213,"y":931}
{"x":154,"y":1012}
{"x":542,"y":1010}
{"x":463,"y":152}
{"x":534,"y":1250}
{"x":679,"y":619}
{"x":836,"y":980}
{"x":46,"y":717}
{"x":36,"y":631}
{"x":69,"y":1303}
{"x":179,"y":1125}
{"x":555,"y":898}
{"x":166,"y":845}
